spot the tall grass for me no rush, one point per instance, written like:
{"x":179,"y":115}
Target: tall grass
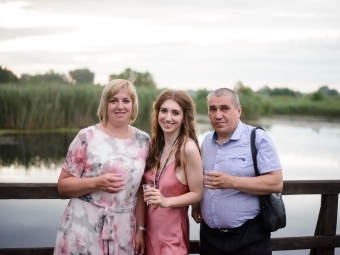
{"x":58,"y":106}
{"x":328,"y":107}
{"x":52,"y":106}
{"x":252,"y":106}
{"x":146,"y":97}
{"x":48,"y":106}
{"x":255,"y":105}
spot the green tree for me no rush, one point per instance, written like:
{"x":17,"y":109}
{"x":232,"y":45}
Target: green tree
{"x":7,"y":76}
{"x":49,"y":77}
{"x":201,"y":101}
{"x":282,"y":92}
{"x":328,"y":92}
{"x":264,"y":90}
{"x":137,"y":78}
{"x":240,"y":88}
{"x":81,"y":76}
{"x":278,"y":92}
{"x":317,"y":96}
{"x":252,"y":106}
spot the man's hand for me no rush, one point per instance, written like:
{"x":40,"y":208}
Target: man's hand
{"x":260,"y":185}
{"x":196,"y":213}
{"x":218,"y":180}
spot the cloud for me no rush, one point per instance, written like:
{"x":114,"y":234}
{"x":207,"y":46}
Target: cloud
{"x":14,"y":33}
{"x":182,"y":43}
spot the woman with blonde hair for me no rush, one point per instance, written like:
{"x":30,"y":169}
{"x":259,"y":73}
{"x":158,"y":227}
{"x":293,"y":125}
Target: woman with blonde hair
{"x":174,"y":167}
{"x":102,"y":174}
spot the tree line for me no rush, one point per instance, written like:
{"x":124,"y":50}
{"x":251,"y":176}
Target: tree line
{"x":51,"y":104}
{"x":77,"y":76}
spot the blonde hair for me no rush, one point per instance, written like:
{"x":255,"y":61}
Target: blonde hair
{"x":111,"y":89}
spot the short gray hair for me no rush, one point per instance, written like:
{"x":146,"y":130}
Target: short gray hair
{"x":225,"y":91}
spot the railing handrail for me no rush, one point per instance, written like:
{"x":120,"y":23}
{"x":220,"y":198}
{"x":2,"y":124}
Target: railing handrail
{"x":33,"y":190}
{"x":325,"y":237}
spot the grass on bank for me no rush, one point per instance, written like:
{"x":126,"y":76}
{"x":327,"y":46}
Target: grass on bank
{"x":58,"y":107}
{"x":55,"y":106}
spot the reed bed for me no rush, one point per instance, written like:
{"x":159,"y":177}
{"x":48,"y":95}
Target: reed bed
{"x":329,"y":107}
{"x":57,"y":106}
{"x":52,"y":106}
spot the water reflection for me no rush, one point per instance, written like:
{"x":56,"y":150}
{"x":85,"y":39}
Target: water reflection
{"x":38,"y":150}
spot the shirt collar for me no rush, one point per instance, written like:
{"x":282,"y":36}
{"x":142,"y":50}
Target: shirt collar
{"x":235,"y":135}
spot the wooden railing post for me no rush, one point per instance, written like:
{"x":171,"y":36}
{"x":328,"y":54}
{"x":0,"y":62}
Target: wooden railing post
{"x":327,"y":220}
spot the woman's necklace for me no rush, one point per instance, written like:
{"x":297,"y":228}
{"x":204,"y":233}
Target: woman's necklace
{"x":158,"y":174}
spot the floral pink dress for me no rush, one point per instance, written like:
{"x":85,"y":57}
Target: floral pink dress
{"x":100,"y":222}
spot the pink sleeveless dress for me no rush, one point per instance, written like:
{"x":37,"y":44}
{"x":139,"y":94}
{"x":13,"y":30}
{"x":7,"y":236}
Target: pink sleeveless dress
{"x":167,"y":229}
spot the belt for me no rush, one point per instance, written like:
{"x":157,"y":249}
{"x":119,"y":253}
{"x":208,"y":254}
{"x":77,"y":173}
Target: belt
{"x":231,"y":230}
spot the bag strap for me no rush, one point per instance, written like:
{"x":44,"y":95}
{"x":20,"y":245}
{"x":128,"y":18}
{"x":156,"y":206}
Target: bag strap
{"x":253,"y":149}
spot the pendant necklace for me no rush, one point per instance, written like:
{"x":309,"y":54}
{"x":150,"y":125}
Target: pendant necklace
{"x":158,"y":174}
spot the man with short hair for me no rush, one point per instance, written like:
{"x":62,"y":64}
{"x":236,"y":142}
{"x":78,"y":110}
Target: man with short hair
{"x":229,"y":212}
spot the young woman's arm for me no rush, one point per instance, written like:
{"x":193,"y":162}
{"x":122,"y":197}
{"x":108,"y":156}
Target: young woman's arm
{"x":140,"y":218}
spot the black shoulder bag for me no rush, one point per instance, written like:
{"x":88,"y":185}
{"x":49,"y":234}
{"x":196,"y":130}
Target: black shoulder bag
{"x":272,"y":207}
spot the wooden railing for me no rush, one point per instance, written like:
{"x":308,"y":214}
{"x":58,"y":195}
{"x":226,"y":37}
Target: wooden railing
{"x":323,"y":242}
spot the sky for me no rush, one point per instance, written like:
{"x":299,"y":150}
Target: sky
{"x":184,"y":44}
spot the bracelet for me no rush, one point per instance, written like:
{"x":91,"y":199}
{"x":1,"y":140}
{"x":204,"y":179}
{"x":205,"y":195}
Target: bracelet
{"x":141,"y":228}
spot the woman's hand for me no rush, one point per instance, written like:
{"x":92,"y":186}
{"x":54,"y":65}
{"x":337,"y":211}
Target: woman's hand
{"x":154,"y":196}
{"x":139,"y":242}
{"x":111,"y":183}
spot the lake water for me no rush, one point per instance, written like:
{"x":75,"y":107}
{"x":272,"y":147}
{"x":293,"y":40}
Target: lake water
{"x":309,"y":149}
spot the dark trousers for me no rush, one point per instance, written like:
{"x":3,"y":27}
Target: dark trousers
{"x":249,"y":239}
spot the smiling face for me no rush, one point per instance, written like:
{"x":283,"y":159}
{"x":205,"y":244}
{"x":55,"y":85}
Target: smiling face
{"x":119,"y":108}
{"x":224,"y":115}
{"x":170,"y":116}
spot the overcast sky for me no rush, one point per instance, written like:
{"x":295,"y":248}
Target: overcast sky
{"x":184,"y":44}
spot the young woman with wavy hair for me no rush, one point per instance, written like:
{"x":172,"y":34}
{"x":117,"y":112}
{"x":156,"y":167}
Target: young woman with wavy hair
{"x":174,"y":167}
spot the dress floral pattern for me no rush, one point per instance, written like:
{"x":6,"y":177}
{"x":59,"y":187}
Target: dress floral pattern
{"x":100,"y":222}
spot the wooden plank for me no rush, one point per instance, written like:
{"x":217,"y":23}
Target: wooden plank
{"x":327,"y":221}
{"x":278,"y":244}
{"x":305,"y":242}
{"x":27,"y":251}
{"x":311,"y":187}
{"x":291,"y":243}
{"x":50,"y":190}
{"x":30,"y":191}
{"x":317,"y":228}
{"x":331,"y":213}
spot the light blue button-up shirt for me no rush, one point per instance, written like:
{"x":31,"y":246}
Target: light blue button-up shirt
{"x":229,"y":208}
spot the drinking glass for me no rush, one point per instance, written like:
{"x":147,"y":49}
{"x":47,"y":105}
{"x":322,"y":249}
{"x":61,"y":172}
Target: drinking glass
{"x":207,"y":171}
{"x":147,"y":186}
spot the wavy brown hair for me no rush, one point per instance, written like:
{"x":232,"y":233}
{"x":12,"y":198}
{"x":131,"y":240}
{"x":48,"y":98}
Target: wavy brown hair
{"x":188,"y":129}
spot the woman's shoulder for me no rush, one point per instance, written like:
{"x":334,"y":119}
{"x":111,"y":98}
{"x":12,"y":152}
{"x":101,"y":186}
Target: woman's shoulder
{"x":142,"y":135}
{"x":88,"y":132}
{"x":84,"y":131}
{"x":88,"y":129}
{"x":190,"y":146}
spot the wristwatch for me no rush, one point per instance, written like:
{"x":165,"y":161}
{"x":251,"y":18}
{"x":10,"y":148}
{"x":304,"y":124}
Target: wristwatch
{"x":142,"y":228}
